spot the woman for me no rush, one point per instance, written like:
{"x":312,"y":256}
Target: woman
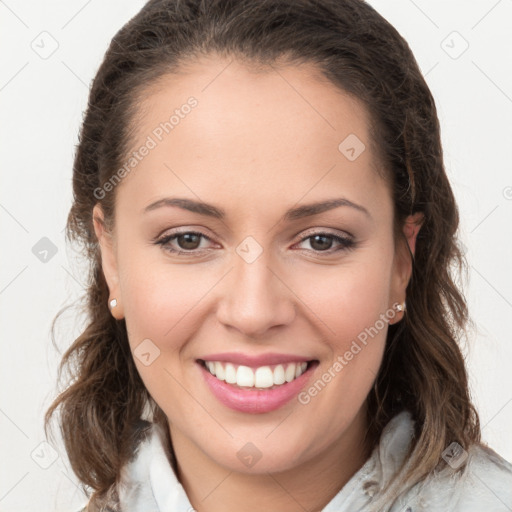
{"x":260,"y":190}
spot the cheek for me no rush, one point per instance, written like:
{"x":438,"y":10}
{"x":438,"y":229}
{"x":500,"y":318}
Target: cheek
{"x":350,"y":297}
{"x":160,"y":302}
{"x":158,"y":296}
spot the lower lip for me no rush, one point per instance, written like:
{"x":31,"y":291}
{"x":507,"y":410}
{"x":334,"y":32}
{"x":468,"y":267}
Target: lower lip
{"x":252,"y":400}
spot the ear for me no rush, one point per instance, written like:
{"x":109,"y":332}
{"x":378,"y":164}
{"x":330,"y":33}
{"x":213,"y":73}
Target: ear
{"x":108,"y":259}
{"x":412,"y":226}
{"x":405,"y":250}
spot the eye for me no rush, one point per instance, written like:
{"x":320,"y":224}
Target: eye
{"x":190,"y":242}
{"x":184,"y":241}
{"x":324,"y":242}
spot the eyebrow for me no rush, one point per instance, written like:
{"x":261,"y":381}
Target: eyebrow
{"x":299,"y":212}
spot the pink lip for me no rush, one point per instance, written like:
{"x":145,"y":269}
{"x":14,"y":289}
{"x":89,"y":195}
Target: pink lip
{"x":255,"y":401}
{"x":255,"y":361}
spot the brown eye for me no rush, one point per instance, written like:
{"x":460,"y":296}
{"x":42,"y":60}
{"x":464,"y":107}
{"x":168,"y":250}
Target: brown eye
{"x":321,"y":242}
{"x":188,"y":241}
{"x":184,"y":242}
{"x":327,"y":243}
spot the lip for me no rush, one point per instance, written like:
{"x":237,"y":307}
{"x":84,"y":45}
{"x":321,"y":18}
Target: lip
{"x":254,"y":361}
{"x":252,"y":400}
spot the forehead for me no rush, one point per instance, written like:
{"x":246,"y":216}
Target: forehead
{"x":253,"y":135}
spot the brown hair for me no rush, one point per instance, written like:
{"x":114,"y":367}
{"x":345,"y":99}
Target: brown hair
{"x":423,"y":369}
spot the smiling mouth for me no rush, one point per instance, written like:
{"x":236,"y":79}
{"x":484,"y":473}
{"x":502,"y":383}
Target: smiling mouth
{"x":263,"y":377}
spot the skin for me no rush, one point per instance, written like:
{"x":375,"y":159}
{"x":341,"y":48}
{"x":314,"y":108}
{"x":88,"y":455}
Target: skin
{"x":256,"y":147}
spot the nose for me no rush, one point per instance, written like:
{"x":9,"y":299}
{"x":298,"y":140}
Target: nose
{"x":254,"y":298}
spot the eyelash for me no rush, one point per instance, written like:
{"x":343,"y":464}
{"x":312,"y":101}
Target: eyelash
{"x":345,"y":244}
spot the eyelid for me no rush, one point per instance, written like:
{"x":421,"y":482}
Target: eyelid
{"x":173,"y":234}
{"x":169,"y":232}
{"x":326,"y":231}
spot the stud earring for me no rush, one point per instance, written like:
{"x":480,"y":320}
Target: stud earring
{"x":402,"y":307}
{"x":112,"y":303}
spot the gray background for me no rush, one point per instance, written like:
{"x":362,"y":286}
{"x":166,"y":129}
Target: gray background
{"x":51,"y":51}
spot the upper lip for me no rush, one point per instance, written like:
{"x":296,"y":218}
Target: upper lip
{"x":255,"y":360}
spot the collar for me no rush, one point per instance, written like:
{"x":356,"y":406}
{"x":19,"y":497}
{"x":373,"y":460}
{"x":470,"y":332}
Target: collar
{"x":148,"y":483}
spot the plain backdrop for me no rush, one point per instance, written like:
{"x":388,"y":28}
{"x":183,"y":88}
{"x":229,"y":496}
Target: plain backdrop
{"x":50,"y":53}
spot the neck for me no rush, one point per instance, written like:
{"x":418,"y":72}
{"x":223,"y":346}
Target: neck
{"x":309,"y":486}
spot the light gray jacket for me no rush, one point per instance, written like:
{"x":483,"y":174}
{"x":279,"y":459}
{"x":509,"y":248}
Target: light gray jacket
{"x":148,"y":482}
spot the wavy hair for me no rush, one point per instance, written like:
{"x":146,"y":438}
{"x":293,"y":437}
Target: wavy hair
{"x":423,"y":368}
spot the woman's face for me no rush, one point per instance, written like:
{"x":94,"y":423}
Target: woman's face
{"x":290,"y":259}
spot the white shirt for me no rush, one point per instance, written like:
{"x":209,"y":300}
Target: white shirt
{"x":148,"y":483}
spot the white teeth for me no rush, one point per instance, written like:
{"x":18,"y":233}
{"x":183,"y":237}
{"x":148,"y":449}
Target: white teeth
{"x":219,"y":371}
{"x":300,"y":369}
{"x":279,"y":375}
{"x":230,"y":374}
{"x":263,"y":377}
{"x":244,"y":376}
{"x":289,"y":374}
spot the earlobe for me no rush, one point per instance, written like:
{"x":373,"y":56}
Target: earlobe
{"x":108,"y":261}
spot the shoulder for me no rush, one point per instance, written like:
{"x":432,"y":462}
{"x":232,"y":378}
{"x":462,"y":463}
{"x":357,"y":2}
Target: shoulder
{"x":488,"y":481}
{"x":485,"y":483}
